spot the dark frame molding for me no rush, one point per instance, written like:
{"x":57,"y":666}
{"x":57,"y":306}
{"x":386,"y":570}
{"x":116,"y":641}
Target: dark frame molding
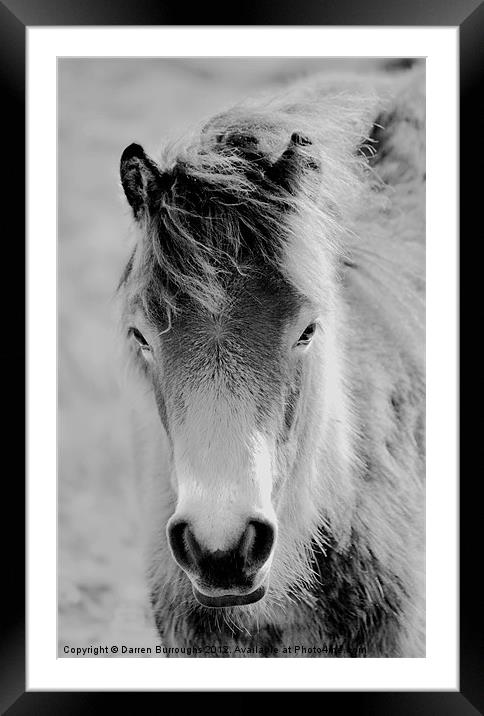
{"x":15,"y":16}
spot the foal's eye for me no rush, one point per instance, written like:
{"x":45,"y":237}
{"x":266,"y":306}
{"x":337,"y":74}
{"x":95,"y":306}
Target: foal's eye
{"x":307,"y":335}
{"x":140,"y":339}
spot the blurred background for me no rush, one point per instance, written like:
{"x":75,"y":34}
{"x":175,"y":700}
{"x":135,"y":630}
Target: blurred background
{"x":104,"y":105}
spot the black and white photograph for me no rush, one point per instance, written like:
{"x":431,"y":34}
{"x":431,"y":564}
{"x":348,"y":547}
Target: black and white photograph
{"x":241,"y":237}
{"x":241,"y":357}
{"x":240,"y":372}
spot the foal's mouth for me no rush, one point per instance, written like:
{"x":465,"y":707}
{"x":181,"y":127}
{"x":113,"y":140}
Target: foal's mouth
{"x":229,"y":600}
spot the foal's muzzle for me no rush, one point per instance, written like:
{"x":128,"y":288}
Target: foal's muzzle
{"x":224,"y":578}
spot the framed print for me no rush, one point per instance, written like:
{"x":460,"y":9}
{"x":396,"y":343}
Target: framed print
{"x":242,"y":311}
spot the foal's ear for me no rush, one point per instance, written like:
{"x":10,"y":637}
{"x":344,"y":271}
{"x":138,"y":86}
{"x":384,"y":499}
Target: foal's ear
{"x":296,"y":160}
{"x":140,"y":177}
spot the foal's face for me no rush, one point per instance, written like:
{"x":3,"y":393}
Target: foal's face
{"x":227,"y":388}
{"x":227,"y":381}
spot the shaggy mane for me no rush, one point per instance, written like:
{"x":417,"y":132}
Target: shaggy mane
{"x":252,"y":183}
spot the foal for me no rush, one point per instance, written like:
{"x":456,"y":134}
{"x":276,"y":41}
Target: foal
{"x":273,"y":305}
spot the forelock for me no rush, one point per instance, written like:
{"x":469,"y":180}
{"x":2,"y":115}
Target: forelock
{"x":222,"y":212}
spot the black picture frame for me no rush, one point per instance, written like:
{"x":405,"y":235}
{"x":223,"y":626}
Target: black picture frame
{"x":15,"y":17}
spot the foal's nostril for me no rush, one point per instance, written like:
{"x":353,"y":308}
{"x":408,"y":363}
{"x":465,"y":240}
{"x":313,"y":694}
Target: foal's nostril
{"x":256,"y":543}
{"x":185,"y":548}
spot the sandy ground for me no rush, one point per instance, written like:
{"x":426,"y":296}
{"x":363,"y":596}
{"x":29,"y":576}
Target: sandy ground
{"x":103,"y":106}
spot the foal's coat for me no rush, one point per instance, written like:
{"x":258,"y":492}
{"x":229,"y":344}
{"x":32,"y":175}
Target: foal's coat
{"x":274,"y":303}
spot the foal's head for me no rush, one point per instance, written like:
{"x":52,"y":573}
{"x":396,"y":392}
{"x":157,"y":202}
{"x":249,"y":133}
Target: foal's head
{"x":225,"y":333}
